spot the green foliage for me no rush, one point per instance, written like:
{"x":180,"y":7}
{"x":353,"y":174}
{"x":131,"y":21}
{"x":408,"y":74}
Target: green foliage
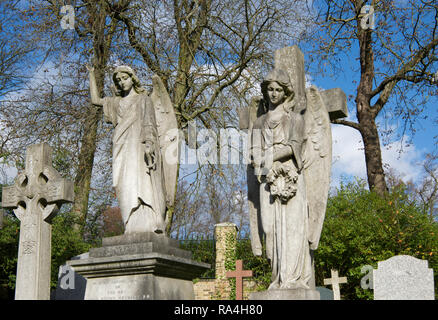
{"x":230,"y":261}
{"x":8,"y":254}
{"x":66,"y":243}
{"x":362,"y":228}
{"x":259,"y":265}
{"x":204,"y":251}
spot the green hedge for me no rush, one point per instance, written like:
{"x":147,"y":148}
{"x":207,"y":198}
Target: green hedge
{"x":362,"y":228}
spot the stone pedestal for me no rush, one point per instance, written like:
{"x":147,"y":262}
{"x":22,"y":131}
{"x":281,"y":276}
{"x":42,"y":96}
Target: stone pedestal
{"x":142,"y":266}
{"x":285,"y":294}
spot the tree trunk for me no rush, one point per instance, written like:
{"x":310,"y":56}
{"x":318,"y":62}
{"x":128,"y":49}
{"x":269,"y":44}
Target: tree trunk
{"x":366,"y":115}
{"x":101,"y":45}
{"x":86,"y":157}
{"x":86,"y":161}
{"x":373,"y":153}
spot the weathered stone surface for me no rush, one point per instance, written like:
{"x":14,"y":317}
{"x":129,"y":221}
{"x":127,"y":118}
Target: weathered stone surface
{"x":335,"y":101}
{"x":403,"y":278}
{"x":239,"y":274}
{"x":291,"y":59}
{"x":325,"y":293}
{"x":139,"y":287}
{"x":285,"y":294}
{"x":138,"y":266}
{"x":36,"y":197}
{"x":138,"y":243}
{"x":288,"y":186}
{"x":139,"y":238}
{"x":222,"y":231}
{"x":335,"y":281}
{"x":145,"y":149}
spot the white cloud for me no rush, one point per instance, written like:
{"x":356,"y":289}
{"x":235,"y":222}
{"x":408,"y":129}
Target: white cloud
{"x":349,"y":158}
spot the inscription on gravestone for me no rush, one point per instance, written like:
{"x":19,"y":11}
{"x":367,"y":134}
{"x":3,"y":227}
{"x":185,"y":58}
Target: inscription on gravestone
{"x":36,"y":197}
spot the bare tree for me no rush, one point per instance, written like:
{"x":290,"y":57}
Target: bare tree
{"x":427,"y":190}
{"x":396,"y":58}
{"x":210,"y":54}
{"x":204,"y":50}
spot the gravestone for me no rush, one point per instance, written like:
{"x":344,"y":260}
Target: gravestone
{"x":403,"y":278}
{"x":139,"y":266}
{"x":325,"y":293}
{"x":335,"y":281}
{"x":239,"y":274}
{"x":71,"y":285}
{"x":35,"y":198}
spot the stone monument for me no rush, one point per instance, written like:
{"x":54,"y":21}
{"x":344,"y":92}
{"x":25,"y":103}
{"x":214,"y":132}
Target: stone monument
{"x":139,"y":266}
{"x":143,"y":263}
{"x":239,"y":274}
{"x":289,"y":174}
{"x":335,"y":281}
{"x":403,"y":278}
{"x":36,"y":197}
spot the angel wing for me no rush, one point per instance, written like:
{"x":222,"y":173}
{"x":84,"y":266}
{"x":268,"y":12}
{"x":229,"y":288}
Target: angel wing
{"x":247,"y":118}
{"x":317,"y":157}
{"x":167,"y":135}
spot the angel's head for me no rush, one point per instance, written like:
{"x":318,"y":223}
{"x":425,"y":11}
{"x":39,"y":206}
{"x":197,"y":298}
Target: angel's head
{"x":125,"y":79}
{"x":276,"y":87}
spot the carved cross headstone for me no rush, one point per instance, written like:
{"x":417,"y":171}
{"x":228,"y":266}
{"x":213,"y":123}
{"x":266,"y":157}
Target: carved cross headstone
{"x":334,"y":281}
{"x":239,"y":274}
{"x":36,"y":196}
{"x":291,"y":59}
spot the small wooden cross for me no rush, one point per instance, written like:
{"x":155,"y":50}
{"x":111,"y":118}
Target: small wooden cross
{"x":334,"y":281}
{"x":36,"y":196}
{"x":239,"y":274}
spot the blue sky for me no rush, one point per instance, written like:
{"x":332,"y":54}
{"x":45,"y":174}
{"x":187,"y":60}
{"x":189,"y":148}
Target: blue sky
{"x":348,"y":156}
{"x":397,"y":153}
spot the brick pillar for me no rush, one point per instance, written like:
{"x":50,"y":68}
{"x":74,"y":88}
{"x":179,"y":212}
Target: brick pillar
{"x":221,"y":230}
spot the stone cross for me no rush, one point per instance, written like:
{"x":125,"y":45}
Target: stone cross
{"x":334,"y":281}
{"x":291,"y":59}
{"x":35,"y":197}
{"x":239,"y":274}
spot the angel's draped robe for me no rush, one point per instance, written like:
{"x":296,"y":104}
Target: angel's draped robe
{"x":139,"y":189}
{"x":284,"y":223}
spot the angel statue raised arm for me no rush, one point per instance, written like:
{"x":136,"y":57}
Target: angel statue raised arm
{"x":288,"y":174}
{"x":145,"y":127}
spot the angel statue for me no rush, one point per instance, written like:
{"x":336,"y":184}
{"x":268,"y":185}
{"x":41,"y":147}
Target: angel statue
{"x":290,"y":152}
{"x":145,"y":127}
